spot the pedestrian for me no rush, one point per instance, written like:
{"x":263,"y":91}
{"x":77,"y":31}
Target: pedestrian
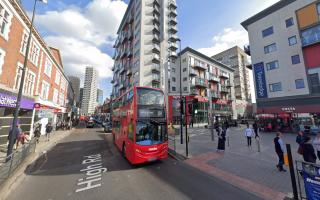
{"x":300,"y":139}
{"x":316,"y":144}
{"x":248,"y":132}
{"x":256,"y":130}
{"x":16,"y":135}
{"x":221,"y":139}
{"x":37,"y":132}
{"x":308,"y":151}
{"x":48,"y":131}
{"x":279,"y":148}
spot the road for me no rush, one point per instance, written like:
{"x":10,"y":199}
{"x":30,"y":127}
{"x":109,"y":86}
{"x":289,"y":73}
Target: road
{"x":57,"y":175}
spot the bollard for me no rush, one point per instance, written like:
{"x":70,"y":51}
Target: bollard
{"x":258,"y":143}
{"x":228,"y":141}
{"x":212,"y":134}
{"x":292,"y":174}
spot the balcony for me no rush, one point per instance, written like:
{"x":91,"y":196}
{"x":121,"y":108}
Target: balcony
{"x":173,"y":13}
{"x":156,"y":29}
{"x":173,"y":38}
{"x":116,"y":44}
{"x":213,"y":78}
{"x":200,"y":66}
{"x":112,"y":81}
{"x":224,"y":75}
{"x":124,"y":37}
{"x":130,"y":35}
{"x":155,"y":38}
{"x":121,"y":86}
{"x":129,"y":52}
{"x":247,"y":50}
{"x":156,"y":58}
{"x":156,"y":19}
{"x":123,"y":53}
{"x":224,"y":89}
{"x":155,"y":78}
{"x":129,"y":72}
{"x":214,"y":94}
{"x":122,"y":69}
{"x":193,"y":90}
{"x":173,"y":21}
{"x":113,"y":68}
{"x":155,"y":68}
{"x":156,"y":10}
{"x":173,"y":55}
{"x":172,"y":5}
{"x":155,"y":48}
{"x":193,"y":72}
{"x":173,"y":29}
{"x":228,"y":84}
{"x":200,"y":82}
{"x":156,"y":3}
{"x":173,"y":46}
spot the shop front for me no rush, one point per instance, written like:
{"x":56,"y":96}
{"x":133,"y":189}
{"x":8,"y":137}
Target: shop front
{"x":8,"y":102}
{"x":222,"y":110}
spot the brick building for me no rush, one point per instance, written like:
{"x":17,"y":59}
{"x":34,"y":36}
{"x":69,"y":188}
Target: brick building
{"x":45,"y":82}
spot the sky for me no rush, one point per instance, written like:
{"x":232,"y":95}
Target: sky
{"x":84,"y":30}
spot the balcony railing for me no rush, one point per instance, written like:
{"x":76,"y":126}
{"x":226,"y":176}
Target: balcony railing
{"x":193,"y":72}
{"x":199,"y":66}
{"x":156,"y":10}
{"x":193,"y":90}
{"x":214,"y":94}
{"x":173,"y":54}
{"x":155,"y":38}
{"x":224,"y":75}
{"x":214,"y":78}
{"x":156,"y":19}
{"x":172,"y":5}
{"x":156,"y":58}
{"x":173,"y":38}
{"x":224,"y":89}
{"x":156,"y":48}
{"x":155,"y":78}
{"x":173,"y":46}
{"x":173,"y":21}
{"x":200,"y":82}
{"x":155,"y":68}
{"x":156,"y":2}
{"x":156,"y":29}
{"x":121,"y":86}
{"x":173,"y":13}
{"x":173,"y":29}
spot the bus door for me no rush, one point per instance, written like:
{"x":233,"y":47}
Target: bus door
{"x":129,"y":131}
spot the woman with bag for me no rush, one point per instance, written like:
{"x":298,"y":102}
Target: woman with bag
{"x":221,"y":139}
{"x":300,"y":139}
{"x":308,"y":151}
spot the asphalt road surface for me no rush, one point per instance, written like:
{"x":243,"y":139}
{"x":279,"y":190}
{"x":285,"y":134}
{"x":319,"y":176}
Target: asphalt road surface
{"x":86,"y":165}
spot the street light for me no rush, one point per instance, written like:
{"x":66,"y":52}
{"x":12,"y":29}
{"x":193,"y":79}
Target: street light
{"x":181,"y":100}
{"x":16,"y":112}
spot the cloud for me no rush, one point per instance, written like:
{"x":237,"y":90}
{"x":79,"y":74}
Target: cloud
{"x":80,"y":33}
{"x":228,"y":38}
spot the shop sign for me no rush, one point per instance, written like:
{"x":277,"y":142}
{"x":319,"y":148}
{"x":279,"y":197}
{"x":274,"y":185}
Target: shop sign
{"x":45,"y":113}
{"x":260,"y":80}
{"x":311,"y":177}
{"x":288,"y":109}
{"x":11,"y":102}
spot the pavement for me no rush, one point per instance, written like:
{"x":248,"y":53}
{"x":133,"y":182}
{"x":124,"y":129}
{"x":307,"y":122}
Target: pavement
{"x":244,"y":167}
{"x":86,"y":165}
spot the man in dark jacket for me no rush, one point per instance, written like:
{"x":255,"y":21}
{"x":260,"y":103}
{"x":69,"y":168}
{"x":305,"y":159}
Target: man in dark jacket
{"x":48,"y":130}
{"x":279,"y":147}
{"x":308,"y":151}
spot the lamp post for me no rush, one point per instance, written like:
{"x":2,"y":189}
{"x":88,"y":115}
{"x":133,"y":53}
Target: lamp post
{"x":181,"y":100}
{"x":16,"y":112}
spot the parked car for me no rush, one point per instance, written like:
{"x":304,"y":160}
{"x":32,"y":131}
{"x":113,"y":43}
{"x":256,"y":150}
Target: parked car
{"x":90,"y":123}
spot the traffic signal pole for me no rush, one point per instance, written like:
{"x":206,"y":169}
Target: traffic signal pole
{"x":186,"y":120}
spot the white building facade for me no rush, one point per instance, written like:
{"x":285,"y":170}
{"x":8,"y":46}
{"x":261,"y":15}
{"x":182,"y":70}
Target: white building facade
{"x":89,"y":100}
{"x":146,"y":45}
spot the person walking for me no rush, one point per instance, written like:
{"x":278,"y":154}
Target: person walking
{"x":300,"y":139}
{"x":37,"y":132}
{"x":221,"y":139}
{"x":279,"y":148}
{"x":256,"y":130}
{"x":248,"y":132}
{"x":316,"y":144}
{"x":48,"y":131}
{"x":308,"y":151}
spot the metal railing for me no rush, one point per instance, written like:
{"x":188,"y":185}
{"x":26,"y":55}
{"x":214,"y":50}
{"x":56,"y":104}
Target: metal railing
{"x":9,"y":164}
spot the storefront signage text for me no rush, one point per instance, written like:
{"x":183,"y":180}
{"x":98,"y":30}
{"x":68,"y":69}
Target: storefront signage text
{"x":11,"y":101}
{"x":260,"y":80}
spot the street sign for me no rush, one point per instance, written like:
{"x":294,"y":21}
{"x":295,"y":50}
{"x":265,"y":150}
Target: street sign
{"x":311,"y":177}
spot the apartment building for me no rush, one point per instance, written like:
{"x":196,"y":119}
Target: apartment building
{"x":89,"y":100}
{"x":205,"y":79}
{"x":284,"y":46}
{"x":146,"y":45}
{"x":99,"y":96}
{"x":45,"y":86}
{"x":237,"y":59}
{"x":75,"y":83}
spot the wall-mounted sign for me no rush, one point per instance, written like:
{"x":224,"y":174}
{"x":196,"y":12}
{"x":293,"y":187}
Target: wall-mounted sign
{"x":288,"y":109}
{"x":10,"y":102}
{"x":260,"y":79}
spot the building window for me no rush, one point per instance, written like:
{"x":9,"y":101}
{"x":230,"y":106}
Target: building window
{"x":318,"y":9}
{"x":173,"y":89}
{"x":48,"y":67}
{"x":185,"y":79}
{"x":275,"y":87}
{"x":289,"y":22}
{"x":185,"y":89}
{"x":311,"y":35}
{"x":2,"y":55}
{"x":173,"y":69}
{"x":18,"y":76}
{"x":299,"y":83}
{"x":24,"y":42}
{"x":184,"y":60}
{"x":267,"y":32}
{"x":29,"y":83}
{"x":4,"y":22}
{"x":292,"y":40}
{"x":57,"y":79}
{"x":173,"y":79}
{"x":55,"y":96}
{"x":45,"y":90}
{"x":272,"y":65}
{"x":270,"y":48}
{"x":295,"y":59}
{"x":34,"y":54}
{"x":314,"y":83}
{"x":184,"y":69}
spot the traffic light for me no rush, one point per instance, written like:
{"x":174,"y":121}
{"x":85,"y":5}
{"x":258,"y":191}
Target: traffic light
{"x":195,"y":106}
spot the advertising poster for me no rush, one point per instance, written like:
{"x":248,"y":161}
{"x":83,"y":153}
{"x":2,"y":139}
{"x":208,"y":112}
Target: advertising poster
{"x":311,"y":178}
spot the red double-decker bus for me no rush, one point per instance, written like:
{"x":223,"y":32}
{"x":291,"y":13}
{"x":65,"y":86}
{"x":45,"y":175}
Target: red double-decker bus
{"x":139,"y":125}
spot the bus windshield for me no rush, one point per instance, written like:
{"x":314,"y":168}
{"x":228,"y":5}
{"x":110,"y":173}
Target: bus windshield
{"x":150,"y":133}
{"x":150,"y":97}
